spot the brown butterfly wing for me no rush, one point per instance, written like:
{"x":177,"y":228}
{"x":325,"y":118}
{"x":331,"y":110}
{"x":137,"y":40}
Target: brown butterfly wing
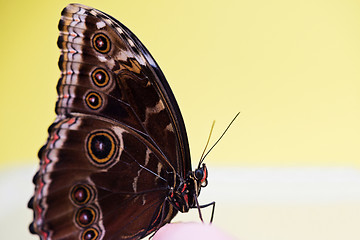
{"x":118,"y":143}
{"x":137,"y":93}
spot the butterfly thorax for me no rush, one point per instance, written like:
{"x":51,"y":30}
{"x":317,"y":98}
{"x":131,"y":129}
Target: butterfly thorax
{"x":184,"y":196}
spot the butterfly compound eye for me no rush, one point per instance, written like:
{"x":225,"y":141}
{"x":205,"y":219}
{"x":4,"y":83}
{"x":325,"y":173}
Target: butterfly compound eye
{"x":199,"y":174}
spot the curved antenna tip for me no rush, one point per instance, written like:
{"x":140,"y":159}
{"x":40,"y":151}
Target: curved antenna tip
{"x":203,"y":156}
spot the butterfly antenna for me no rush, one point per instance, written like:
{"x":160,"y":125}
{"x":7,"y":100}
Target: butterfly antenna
{"x":203,"y":156}
{"x":207,"y":143}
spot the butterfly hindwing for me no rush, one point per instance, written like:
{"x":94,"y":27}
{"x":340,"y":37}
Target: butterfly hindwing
{"x":122,"y":194}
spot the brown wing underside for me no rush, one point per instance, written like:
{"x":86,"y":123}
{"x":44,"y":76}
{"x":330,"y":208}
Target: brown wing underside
{"x":118,"y":141}
{"x":135,"y":95}
{"x":126,"y":193}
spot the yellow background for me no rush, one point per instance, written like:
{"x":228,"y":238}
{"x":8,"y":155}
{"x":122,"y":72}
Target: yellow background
{"x":290,"y":67}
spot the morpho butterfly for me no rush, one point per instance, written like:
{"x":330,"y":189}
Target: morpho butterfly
{"x":116,"y":164}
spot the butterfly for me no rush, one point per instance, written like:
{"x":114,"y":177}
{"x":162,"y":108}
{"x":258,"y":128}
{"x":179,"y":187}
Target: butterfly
{"x":116,"y":164}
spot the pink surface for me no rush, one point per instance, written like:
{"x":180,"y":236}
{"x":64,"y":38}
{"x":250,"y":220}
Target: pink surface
{"x":180,"y":231}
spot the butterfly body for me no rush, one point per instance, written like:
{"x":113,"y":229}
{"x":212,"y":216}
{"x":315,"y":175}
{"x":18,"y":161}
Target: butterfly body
{"x":116,"y":164}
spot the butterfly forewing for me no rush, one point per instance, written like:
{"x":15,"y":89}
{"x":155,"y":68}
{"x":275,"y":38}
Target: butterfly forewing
{"x":118,"y":142}
{"x":138,"y":94}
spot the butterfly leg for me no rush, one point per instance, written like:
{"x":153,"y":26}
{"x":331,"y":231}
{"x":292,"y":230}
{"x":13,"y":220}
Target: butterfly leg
{"x":213,"y":209}
{"x":198,"y":206}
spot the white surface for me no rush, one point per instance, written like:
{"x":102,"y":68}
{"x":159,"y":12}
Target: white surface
{"x":251,"y":203}
{"x":284,"y":185}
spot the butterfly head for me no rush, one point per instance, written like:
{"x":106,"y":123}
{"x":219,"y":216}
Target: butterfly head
{"x":200,"y":175}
